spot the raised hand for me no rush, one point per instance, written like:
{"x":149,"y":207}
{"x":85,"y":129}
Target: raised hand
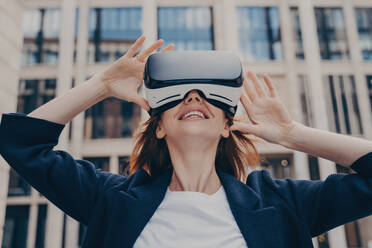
{"x":270,"y":118}
{"x":123,"y":78}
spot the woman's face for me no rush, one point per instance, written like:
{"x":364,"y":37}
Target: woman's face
{"x":193,"y":117}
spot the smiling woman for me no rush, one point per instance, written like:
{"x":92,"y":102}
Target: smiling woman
{"x":187,"y":183}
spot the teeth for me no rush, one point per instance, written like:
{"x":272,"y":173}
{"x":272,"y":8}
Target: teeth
{"x":193,"y":113}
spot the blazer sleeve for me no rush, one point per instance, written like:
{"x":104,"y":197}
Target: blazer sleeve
{"x":26,"y":143}
{"x":339,"y":199}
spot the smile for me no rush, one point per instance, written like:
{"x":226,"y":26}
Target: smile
{"x":193,"y":115}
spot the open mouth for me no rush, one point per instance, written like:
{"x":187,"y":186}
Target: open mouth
{"x":193,"y":115}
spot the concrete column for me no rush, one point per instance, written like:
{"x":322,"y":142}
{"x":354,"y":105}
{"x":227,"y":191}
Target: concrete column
{"x":11,"y":39}
{"x":54,"y":222}
{"x":311,"y":46}
{"x":229,"y":21}
{"x":150,"y":30}
{"x":114,"y":164}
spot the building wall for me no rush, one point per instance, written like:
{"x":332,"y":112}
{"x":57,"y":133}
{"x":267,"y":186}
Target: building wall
{"x":11,"y":35}
{"x":301,"y":84}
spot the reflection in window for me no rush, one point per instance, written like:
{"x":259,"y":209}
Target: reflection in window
{"x":34,"y":93}
{"x":41,"y":29}
{"x":102,"y":163}
{"x":15,"y":227}
{"x":342,"y":105}
{"x":331,"y":34}
{"x":17,"y":185}
{"x":364,"y":22}
{"x":112,"y":31}
{"x":189,"y":28}
{"x":297,"y":34}
{"x":278,"y":166}
{"x":112,"y":118}
{"x":259,"y":33}
{"x":41,"y":221}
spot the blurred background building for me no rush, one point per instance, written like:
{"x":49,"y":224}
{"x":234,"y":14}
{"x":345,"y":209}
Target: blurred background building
{"x":319,"y":52}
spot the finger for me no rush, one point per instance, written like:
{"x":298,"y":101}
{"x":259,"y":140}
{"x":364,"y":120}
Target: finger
{"x":142,"y":102}
{"x":247,"y":89}
{"x":143,"y":55}
{"x":270,"y":85}
{"x":170,"y":47}
{"x":260,"y":91}
{"x":134,"y":48}
{"x":247,"y":106}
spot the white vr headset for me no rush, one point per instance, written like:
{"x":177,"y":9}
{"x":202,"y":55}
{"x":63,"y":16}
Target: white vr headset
{"x":169,"y":76}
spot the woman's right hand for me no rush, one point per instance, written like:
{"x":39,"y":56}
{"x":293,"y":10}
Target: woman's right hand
{"x":123,"y":78}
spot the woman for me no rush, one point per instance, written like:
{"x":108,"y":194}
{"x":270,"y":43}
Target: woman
{"x":195,"y":203}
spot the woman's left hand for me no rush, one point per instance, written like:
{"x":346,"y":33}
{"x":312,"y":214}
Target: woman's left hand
{"x":270,"y":118}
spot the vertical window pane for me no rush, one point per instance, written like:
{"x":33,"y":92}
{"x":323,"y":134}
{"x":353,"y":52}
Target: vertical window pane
{"x":364,"y":22}
{"x":189,"y":28}
{"x":342,"y":105}
{"x":297,"y":34}
{"x":369,"y":85}
{"x":331,"y":34}
{"x":123,"y":163}
{"x":40,"y":231}
{"x":305,"y":100}
{"x":259,"y":33}
{"x":41,"y":29}
{"x":15,"y":227}
{"x":112,"y":118}
{"x":112,"y":31}
{"x":17,"y":185}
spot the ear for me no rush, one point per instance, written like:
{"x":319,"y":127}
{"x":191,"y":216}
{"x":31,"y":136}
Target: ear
{"x":226,"y":130}
{"x":160,"y":133}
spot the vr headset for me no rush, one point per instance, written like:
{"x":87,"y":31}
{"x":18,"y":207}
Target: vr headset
{"x":169,"y":76}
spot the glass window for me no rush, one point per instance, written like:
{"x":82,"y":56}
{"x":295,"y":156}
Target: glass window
{"x":17,"y":185}
{"x":259,"y":33}
{"x":331,"y":34}
{"x":342,"y":105}
{"x":34,"y":93}
{"x":369,"y":85}
{"x":82,"y":232}
{"x":112,"y":118}
{"x":297,"y":34}
{"x":15,"y":227}
{"x":40,"y":231}
{"x":279,"y":166}
{"x":364,"y":22}
{"x":41,"y":29}
{"x":123,"y":163}
{"x":112,"y":31}
{"x":189,"y":28}
{"x":305,"y":100}
{"x":102,"y":163}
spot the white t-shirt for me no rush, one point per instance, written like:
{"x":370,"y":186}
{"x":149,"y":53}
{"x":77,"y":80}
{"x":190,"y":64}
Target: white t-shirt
{"x":192,"y":219}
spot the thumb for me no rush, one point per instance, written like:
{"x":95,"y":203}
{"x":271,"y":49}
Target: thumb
{"x":142,"y":102}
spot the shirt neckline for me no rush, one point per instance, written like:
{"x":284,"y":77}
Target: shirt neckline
{"x":189,"y":193}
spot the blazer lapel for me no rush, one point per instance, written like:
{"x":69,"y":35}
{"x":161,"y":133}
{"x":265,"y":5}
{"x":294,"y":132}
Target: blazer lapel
{"x":254,"y":221}
{"x":260,"y":226}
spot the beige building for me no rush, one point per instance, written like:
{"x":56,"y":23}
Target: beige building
{"x":319,"y":52}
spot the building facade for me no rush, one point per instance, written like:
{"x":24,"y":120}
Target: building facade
{"x":319,"y":53}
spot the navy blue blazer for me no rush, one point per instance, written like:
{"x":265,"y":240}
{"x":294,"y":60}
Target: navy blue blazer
{"x":268,"y":212}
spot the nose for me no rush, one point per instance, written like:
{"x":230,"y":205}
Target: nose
{"x":193,"y":96}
